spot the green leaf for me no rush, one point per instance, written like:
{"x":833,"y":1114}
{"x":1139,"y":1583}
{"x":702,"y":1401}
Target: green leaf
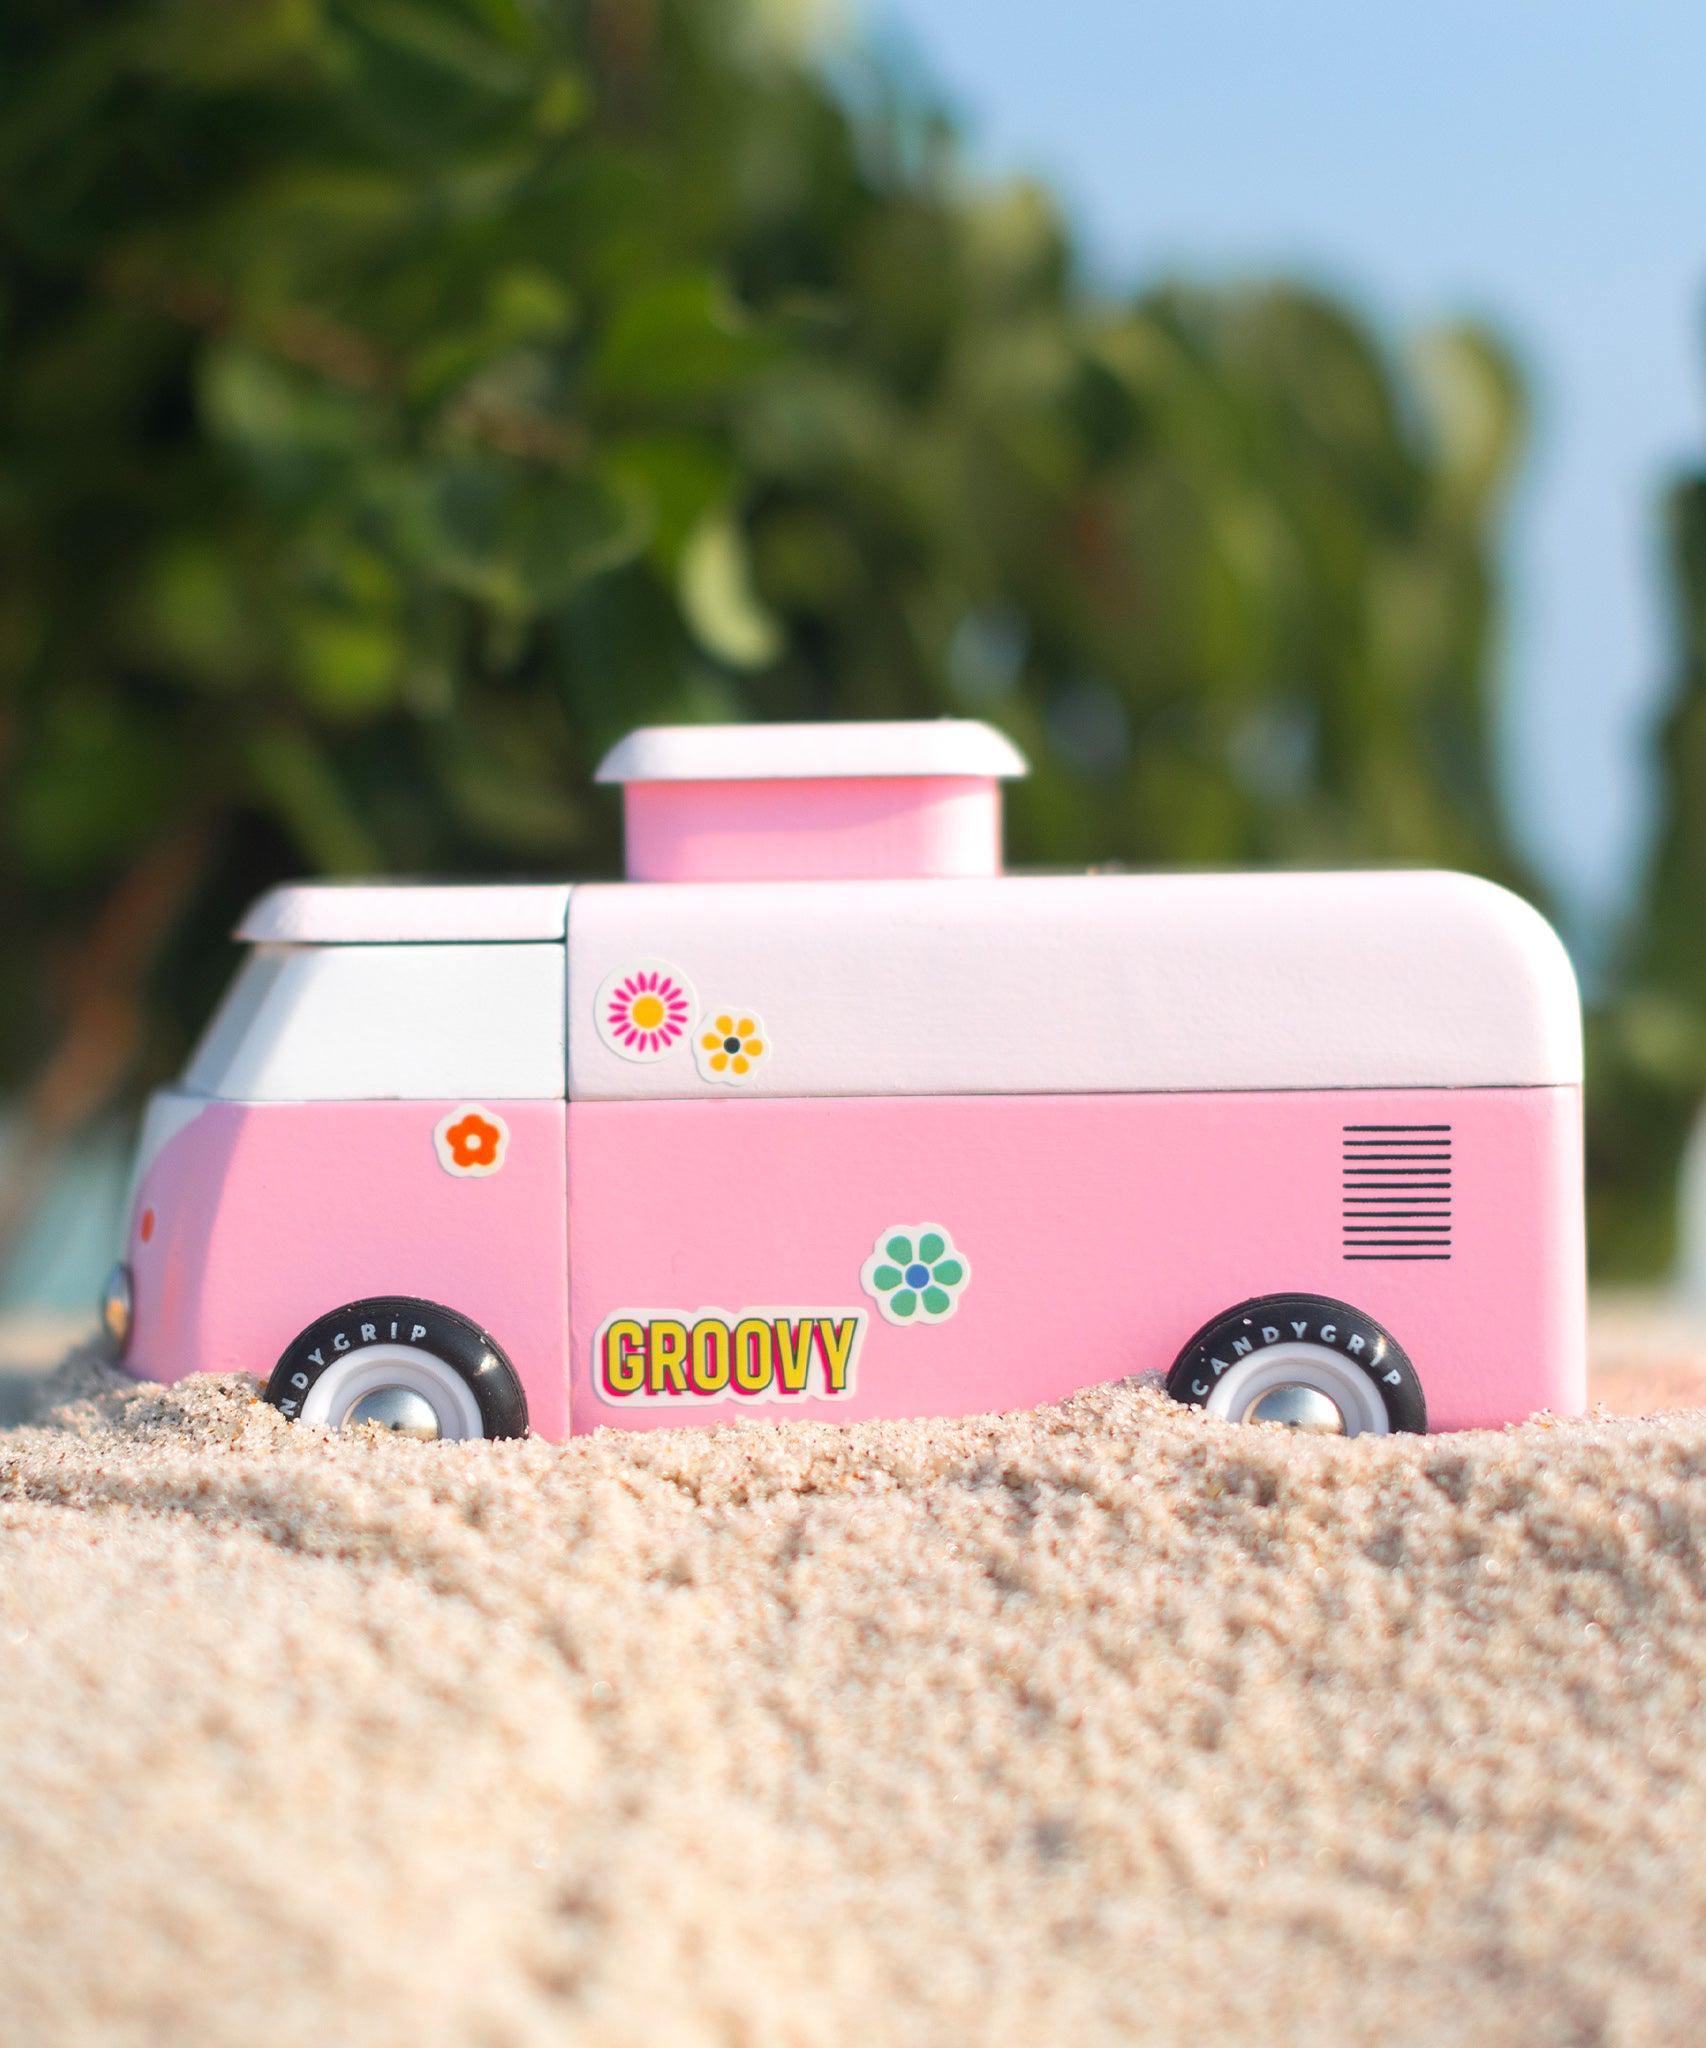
{"x":523,"y":541}
{"x":682,"y":478}
{"x":193,"y":614}
{"x":101,"y":780}
{"x":297,"y":783}
{"x":715,"y":585}
{"x":523,"y":306}
{"x":564,"y":101}
{"x":680,"y":340}
{"x":442,"y":37}
{"x":216,"y":45}
{"x":500,"y":767}
{"x":345,"y":667}
{"x":264,"y":408}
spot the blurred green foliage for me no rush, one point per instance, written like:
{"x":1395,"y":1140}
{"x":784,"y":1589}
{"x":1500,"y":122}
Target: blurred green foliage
{"x":1647,"y":1044}
{"x":399,"y":399}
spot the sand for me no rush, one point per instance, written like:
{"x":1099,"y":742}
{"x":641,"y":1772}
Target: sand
{"x":1107,"y":1723}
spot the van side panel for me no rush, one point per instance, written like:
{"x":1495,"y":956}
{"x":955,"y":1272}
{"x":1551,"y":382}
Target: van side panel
{"x":1089,"y":984}
{"x":1096,"y":1234}
{"x":262,"y":1216}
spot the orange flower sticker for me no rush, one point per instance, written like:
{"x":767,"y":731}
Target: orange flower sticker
{"x":471,"y":1141}
{"x":729,"y":1045}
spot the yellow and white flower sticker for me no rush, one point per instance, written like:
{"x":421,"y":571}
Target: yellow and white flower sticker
{"x":730,"y":1045}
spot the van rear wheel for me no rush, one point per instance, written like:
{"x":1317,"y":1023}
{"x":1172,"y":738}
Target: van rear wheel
{"x":410,"y":1366}
{"x":1304,"y":1360}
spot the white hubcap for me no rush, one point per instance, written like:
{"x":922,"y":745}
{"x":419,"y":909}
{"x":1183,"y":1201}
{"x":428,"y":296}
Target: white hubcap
{"x":1315,"y":1366}
{"x":377,"y":1366}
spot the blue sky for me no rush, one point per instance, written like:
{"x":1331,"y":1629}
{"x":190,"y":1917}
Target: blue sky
{"x":1539,"y":163}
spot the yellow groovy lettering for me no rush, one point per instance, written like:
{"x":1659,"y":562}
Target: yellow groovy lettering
{"x":666,"y":1347}
{"x":622,"y":1358}
{"x":754,"y":1356}
{"x":837,"y":1342}
{"x":794,"y":1354}
{"x":708,"y":1359}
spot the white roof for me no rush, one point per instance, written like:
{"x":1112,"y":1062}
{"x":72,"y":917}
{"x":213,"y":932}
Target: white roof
{"x":1089,"y":984}
{"x":778,"y":753}
{"x":406,"y":913}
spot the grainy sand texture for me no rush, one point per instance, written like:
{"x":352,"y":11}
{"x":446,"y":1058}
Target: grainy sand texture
{"x":1107,"y":1723}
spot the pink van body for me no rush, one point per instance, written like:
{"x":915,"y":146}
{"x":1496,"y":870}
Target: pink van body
{"x":664,"y":1245}
{"x":261,"y":1216}
{"x":1107,"y":1230}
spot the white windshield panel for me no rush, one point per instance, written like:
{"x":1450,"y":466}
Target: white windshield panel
{"x":374,"y":1023}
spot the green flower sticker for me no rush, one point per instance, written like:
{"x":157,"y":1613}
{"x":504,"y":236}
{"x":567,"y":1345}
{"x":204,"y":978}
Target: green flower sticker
{"x":915,"y":1275}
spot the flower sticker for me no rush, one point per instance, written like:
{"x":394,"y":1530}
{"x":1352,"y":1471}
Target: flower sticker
{"x":729,"y":1045}
{"x":471,"y":1141}
{"x":643,"y":1012}
{"x":915,"y":1275}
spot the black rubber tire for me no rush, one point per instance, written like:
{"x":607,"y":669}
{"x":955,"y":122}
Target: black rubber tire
{"x":398,"y":1318}
{"x":1324,"y":1321}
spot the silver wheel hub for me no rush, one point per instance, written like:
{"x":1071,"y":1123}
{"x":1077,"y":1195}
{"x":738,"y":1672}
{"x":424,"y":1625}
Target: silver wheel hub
{"x":399,"y":1409}
{"x":1298,"y":1407}
{"x":399,"y":1385}
{"x":1308,"y":1386}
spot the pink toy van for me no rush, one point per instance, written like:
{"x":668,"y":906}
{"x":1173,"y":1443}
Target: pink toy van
{"x":818,"y":1115}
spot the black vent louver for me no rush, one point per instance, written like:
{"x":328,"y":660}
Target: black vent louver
{"x":1397,"y":1191}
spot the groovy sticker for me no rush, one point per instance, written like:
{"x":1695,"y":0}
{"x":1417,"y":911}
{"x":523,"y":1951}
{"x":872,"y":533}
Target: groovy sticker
{"x":651,"y":1358}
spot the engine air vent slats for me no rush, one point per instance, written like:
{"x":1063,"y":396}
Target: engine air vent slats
{"x":1396,"y":1192}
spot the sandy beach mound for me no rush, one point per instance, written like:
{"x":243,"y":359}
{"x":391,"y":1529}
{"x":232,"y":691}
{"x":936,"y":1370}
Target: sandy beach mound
{"x":1104,"y":1723}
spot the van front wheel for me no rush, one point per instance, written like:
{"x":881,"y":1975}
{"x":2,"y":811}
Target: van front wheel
{"x":410,"y":1366}
{"x":1301,"y":1359}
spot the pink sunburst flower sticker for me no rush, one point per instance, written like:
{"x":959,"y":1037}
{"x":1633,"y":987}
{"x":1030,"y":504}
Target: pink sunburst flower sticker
{"x":643,"y":1012}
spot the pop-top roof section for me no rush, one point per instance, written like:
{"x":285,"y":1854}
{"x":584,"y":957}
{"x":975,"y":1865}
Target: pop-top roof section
{"x":877,"y":750}
{"x":749,"y":803}
{"x":407,"y":914}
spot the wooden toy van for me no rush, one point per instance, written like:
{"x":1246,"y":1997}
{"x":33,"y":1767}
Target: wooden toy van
{"x":819,"y":1115}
